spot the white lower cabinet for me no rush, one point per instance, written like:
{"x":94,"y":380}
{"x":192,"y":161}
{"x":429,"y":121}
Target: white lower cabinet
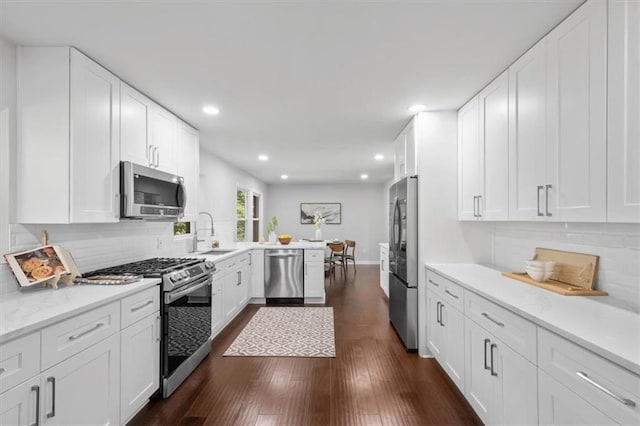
{"x":140,"y":364}
{"x":84,"y":389}
{"x":19,"y":406}
{"x":384,"y":269}
{"x":314,"y":274}
{"x":500,"y":384}
{"x":257,"y":274}
{"x":217,"y":310}
{"x":233,"y":279}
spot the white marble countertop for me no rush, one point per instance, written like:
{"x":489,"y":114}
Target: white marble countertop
{"x":230,"y":250}
{"x":612,"y":332}
{"x":385,"y":245}
{"x":24,"y":312}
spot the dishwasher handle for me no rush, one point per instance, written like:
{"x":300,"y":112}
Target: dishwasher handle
{"x":283,"y":254}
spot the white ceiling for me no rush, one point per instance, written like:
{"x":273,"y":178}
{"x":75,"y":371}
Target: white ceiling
{"x":319,"y":86}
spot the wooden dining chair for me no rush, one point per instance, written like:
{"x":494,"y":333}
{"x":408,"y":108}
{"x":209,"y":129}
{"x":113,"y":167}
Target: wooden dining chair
{"x":349,"y":253}
{"x":336,"y":257}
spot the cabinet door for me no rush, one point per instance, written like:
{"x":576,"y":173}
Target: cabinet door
{"x":314,"y":279}
{"x":399,"y":168}
{"x":558,"y":405}
{"x":384,"y":270}
{"x":229,"y":292}
{"x":244,"y":286}
{"x":19,"y":405}
{"x":217,"y":308}
{"x":164,"y":126}
{"x":135,"y":125}
{"x":518,"y":388}
{"x":95,"y":142}
{"x":454,"y":345}
{"x":623,"y":191}
{"x":527,"y":134}
{"x":480,"y":387}
{"x":257,"y":273}
{"x":576,"y":116}
{"x":140,"y":364}
{"x":494,"y":153}
{"x":410,"y":148}
{"x":470,"y":161}
{"x":435,"y":333}
{"x":86,"y":387}
{"x":188,"y":148}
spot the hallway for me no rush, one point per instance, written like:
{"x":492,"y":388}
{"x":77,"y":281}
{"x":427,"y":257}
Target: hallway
{"x":372,"y":380}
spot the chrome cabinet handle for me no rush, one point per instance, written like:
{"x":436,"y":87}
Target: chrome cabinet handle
{"x":239,"y":277}
{"x":137,"y":308}
{"x":151,"y":156}
{"x":451,"y":294}
{"x":538,"y":211}
{"x":546,"y":199}
{"x":36,"y":389}
{"x":498,"y":323}
{"x":84,"y":333}
{"x":486,"y":367}
{"x":158,"y":326}
{"x":434,"y":283}
{"x":597,"y":385}
{"x":479,"y":200}
{"x":493,"y":346}
{"x":441,"y":307}
{"x":475,"y":214}
{"x":157,"y":157}
{"x":438,"y":312}
{"x":52,"y":380}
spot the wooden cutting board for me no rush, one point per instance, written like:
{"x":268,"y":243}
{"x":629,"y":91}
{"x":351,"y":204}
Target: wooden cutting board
{"x":574,"y":273}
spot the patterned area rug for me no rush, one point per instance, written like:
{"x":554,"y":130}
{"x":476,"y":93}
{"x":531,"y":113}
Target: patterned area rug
{"x":284,"y":331}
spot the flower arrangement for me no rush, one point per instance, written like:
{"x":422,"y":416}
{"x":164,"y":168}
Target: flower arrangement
{"x":318,"y":220}
{"x":271,"y":226}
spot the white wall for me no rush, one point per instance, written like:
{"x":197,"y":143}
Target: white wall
{"x":363,"y":213}
{"x":618,"y":246}
{"x":217,"y":194}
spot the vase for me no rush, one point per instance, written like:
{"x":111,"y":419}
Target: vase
{"x":272,"y":237}
{"x":318,"y":234}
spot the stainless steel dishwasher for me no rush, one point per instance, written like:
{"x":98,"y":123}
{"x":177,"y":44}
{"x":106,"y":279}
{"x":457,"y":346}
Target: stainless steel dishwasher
{"x":284,"y":276}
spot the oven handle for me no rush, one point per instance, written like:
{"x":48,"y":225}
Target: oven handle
{"x":170,"y":297}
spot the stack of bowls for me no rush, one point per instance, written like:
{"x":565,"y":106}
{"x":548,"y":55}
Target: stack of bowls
{"x":539,"y":270}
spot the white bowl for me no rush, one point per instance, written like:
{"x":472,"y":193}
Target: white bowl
{"x":542,"y":264}
{"x":538,"y":274}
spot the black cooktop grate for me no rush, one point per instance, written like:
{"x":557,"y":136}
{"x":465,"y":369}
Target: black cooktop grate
{"x":154,"y":268}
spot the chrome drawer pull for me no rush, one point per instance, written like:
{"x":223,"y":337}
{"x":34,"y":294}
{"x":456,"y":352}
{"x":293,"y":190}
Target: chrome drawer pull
{"x":36,"y":389}
{"x":137,"y":308}
{"x":491,"y":348}
{"x":538,"y":211}
{"x":434,"y":283}
{"x":498,"y":323}
{"x":486,"y":367}
{"x":84,"y":333}
{"x":451,"y":294}
{"x":52,"y":380}
{"x":618,"y":398}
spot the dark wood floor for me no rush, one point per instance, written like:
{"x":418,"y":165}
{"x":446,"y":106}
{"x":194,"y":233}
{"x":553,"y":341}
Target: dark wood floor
{"x":371,"y":381}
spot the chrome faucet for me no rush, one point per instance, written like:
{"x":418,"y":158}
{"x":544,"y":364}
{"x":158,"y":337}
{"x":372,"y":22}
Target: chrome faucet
{"x":195,"y":242}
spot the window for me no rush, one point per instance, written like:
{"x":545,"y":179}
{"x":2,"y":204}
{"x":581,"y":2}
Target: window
{"x":248,"y":215}
{"x":241,"y":214}
{"x":181,"y":228}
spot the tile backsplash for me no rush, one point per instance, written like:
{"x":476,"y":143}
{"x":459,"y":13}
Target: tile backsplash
{"x":618,"y":246}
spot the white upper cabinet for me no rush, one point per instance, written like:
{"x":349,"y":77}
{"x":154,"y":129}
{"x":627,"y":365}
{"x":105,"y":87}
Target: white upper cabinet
{"x":623,"y":188}
{"x":188,"y":149}
{"x":399,"y":163}
{"x":469,"y":161}
{"x":135,"y":126}
{"x":405,"y":152}
{"x":164,"y":126}
{"x":68,"y":122}
{"x":557,"y":140}
{"x":575,"y":187}
{"x":527,"y":133}
{"x":483,"y":148}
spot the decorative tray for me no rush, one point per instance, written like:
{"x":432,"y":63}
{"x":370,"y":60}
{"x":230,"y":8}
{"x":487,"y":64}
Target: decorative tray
{"x":108,"y":279}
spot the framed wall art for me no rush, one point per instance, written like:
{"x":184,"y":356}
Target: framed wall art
{"x":330,"y":212}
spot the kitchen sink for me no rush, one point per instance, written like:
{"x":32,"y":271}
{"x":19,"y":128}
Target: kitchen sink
{"x":217,"y":251}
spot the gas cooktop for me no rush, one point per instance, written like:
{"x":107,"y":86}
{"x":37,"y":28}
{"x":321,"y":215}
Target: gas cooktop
{"x":153,"y":268}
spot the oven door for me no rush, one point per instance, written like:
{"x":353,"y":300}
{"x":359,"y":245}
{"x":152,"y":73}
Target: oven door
{"x":186,"y":328}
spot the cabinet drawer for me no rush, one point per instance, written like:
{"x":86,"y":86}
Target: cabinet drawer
{"x":221,"y":267}
{"x":449,"y":291}
{"x":236,"y":262}
{"x":314,"y":255}
{"x":66,"y":338}
{"x":516,"y":332}
{"x":137,"y":306}
{"x":19,"y":360}
{"x":610,"y":388}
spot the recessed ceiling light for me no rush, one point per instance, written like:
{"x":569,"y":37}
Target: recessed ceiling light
{"x":364,"y":176}
{"x":210,"y":110}
{"x":284,"y":177}
{"x":414,"y":109}
{"x":263,"y":157}
{"x":379,"y":157}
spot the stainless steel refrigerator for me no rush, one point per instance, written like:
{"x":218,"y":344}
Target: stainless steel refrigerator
{"x":403,"y":260}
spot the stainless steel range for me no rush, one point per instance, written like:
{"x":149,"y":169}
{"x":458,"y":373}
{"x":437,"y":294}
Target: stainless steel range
{"x":185,"y":310}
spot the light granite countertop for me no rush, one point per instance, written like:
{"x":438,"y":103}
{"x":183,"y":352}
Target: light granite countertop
{"x":24,"y":312}
{"x":609,"y":331}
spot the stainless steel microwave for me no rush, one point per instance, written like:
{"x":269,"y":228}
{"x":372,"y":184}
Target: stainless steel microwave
{"x":151,"y":194}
